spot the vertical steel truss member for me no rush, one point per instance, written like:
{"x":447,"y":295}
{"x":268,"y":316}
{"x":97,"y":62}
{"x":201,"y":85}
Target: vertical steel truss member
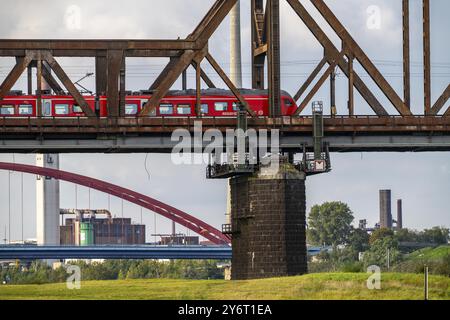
{"x":426,"y":56}
{"x":273,"y":56}
{"x":406,"y":56}
{"x":101,"y":75}
{"x":29,"y":79}
{"x":39,"y":86}
{"x":204,"y":76}
{"x":351,"y":79}
{"x":259,"y":46}
{"x":114,"y":60}
{"x":198,"y":87}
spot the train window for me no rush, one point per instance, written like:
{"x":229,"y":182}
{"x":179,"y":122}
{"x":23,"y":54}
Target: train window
{"x":166,"y":108}
{"x":25,"y":109}
{"x":205,"y":108}
{"x":131,"y":109}
{"x":236,"y":106}
{"x":288,"y":103}
{"x":184,"y":109}
{"x":61,"y":109}
{"x":221,"y":106}
{"x":7,"y":109}
{"x":77,"y":109}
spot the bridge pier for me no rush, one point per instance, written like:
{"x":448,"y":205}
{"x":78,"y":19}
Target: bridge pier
{"x":268,"y":212}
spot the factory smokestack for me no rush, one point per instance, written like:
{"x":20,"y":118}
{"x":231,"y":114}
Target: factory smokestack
{"x":399,"y":214}
{"x":385,"y":209}
{"x":235,"y":46}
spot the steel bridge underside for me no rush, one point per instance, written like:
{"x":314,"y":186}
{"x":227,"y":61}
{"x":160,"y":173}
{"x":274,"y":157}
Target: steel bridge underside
{"x":153,"y":135}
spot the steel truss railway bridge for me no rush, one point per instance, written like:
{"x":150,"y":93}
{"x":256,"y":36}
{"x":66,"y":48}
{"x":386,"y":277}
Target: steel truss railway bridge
{"x":116,"y":133}
{"x":349,"y":132}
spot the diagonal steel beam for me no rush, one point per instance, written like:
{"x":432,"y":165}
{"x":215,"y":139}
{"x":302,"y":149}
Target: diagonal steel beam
{"x":204,"y":76}
{"x":229,"y":83}
{"x":361,"y":56}
{"x":54,"y":65}
{"x":441,"y":101}
{"x":329,"y":47}
{"x":211,"y":22}
{"x":170,"y":65}
{"x":21,"y":64}
{"x":319,"y":84}
{"x":447,"y":113}
{"x":162,"y":75}
{"x":171,"y":76}
{"x":311,"y":78}
{"x":47,"y":75}
{"x":201,"y":35}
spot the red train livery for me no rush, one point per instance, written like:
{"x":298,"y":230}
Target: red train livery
{"x":214,"y":103}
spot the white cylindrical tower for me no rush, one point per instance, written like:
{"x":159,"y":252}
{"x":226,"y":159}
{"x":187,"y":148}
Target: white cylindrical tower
{"x":235,"y":46}
{"x":47,"y":202}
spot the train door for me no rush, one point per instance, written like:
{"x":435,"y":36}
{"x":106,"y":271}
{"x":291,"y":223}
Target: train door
{"x":46,"y":108}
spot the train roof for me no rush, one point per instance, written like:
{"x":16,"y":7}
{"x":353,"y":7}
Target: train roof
{"x":189,"y":92}
{"x":217,"y":92}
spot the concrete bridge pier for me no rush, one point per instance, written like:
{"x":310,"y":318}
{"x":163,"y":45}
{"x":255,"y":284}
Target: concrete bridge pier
{"x":268,"y":218}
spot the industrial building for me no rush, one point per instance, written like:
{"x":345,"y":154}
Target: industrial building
{"x":177,"y":239}
{"x":86,"y":228}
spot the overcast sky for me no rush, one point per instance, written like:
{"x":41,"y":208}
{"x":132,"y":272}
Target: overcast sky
{"x":421,"y":180}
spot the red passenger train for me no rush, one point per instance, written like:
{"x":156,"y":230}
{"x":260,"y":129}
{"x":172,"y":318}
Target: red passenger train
{"x":214,"y":103}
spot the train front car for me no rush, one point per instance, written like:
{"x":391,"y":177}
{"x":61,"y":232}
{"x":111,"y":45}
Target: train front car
{"x":18,"y":106}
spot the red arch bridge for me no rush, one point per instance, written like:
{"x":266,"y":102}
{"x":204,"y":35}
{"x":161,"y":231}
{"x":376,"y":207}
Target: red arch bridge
{"x":198,"y":226}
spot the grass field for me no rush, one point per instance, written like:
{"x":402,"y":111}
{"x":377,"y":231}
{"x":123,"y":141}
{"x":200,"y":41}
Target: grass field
{"x":309,"y":287}
{"x":430,"y":253}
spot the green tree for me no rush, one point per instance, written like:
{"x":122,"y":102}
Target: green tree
{"x":407,"y":235}
{"x":329,"y":224}
{"x":358,"y":240}
{"x":380,"y":234}
{"x":438,"y":235}
{"x":380,"y":250}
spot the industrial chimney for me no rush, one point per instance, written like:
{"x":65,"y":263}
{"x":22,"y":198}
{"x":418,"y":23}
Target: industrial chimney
{"x":385,"y":209}
{"x":235,"y":46}
{"x":399,"y":214}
